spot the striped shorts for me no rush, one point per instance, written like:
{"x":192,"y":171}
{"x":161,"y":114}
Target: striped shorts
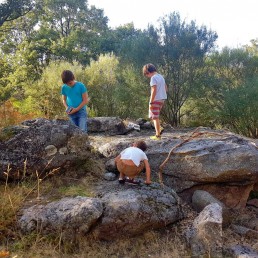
{"x":154,"y":109}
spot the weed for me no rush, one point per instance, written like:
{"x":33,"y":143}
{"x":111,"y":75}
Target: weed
{"x":6,"y":134}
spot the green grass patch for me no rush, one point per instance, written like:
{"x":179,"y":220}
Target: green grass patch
{"x":74,"y":190}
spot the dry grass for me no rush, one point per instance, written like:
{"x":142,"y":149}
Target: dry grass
{"x":163,"y":244}
{"x":11,"y":200}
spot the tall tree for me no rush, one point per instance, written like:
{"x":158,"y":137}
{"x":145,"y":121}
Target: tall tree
{"x":76,"y":30}
{"x":136,"y":47}
{"x":55,"y":30}
{"x":184,"y":48}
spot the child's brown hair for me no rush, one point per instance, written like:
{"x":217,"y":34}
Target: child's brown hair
{"x":148,"y":68}
{"x":141,"y":145}
{"x":67,"y":76}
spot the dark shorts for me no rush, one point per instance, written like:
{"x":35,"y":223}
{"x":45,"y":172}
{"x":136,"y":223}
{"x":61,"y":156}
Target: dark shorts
{"x":154,"y":109}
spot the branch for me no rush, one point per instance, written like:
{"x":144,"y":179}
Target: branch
{"x":193,"y":135}
{"x":11,"y":11}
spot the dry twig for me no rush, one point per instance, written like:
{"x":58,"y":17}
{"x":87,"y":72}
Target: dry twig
{"x":193,"y":135}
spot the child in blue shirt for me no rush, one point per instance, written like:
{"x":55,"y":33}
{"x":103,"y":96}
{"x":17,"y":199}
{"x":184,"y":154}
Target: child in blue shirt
{"x":75,"y":98}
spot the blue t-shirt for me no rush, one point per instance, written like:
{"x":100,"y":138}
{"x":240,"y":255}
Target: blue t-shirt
{"x":74,"y":94}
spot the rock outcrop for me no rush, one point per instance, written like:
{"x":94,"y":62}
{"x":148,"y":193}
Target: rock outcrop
{"x":205,"y":236}
{"x":134,"y":211}
{"x":41,"y":145}
{"x":69,"y":214}
{"x":219,"y":162}
{"x":107,"y":125}
{"x":126,"y":212}
{"x":213,"y":170}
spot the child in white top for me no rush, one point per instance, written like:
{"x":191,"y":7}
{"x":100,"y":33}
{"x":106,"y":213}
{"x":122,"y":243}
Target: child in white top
{"x":131,"y":161}
{"x":157,"y":98}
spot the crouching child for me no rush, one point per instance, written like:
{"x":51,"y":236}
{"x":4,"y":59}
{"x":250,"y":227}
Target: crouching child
{"x":131,"y":161}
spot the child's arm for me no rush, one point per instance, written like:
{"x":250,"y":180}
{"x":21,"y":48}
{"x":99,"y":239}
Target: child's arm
{"x":153,"y":93}
{"x":148,"y":172}
{"x":64,"y":101}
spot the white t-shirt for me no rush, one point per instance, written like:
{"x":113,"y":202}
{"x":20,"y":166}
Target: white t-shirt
{"x":158,"y":80}
{"x":135,"y":154}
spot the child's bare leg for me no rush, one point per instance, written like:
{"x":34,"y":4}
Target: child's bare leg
{"x":157,"y":126}
{"x":121,"y":175}
{"x":121,"y":178}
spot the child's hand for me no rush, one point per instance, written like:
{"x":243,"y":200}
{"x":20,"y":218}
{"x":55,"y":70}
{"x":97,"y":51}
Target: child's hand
{"x":68,"y":110}
{"x":147,"y":182}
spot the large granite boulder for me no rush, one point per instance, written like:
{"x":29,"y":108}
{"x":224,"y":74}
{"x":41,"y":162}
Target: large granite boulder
{"x":41,"y":145}
{"x":219,"y":162}
{"x":122,"y":212}
{"x":134,"y":211}
{"x":68,"y":214}
{"x":107,"y":125}
{"x":225,"y":166}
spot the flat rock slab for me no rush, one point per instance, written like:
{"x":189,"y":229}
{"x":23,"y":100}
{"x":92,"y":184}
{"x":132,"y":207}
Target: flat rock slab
{"x":217,"y":161}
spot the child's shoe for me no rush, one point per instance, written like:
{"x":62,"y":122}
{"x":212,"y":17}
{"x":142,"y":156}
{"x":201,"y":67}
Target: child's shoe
{"x":132,"y":181}
{"x":121,"y":181}
{"x":155,"y":138}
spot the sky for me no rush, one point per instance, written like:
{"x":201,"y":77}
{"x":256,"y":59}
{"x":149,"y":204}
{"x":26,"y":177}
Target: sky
{"x":235,"y":21}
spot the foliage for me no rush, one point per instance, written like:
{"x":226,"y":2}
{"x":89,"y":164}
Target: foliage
{"x":115,"y":88}
{"x":5,"y":91}
{"x":43,"y":97}
{"x":74,"y":30}
{"x":102,"y":81}
{"x":66,"y":30}
{"x":240,"y":109}
{"x":10,"y":115}
{"x":132,"y":94}
{"x":230,"y":92}
{"x":184,"y":48}
{"x":135,"y":46}
{"x":13,"y":9}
